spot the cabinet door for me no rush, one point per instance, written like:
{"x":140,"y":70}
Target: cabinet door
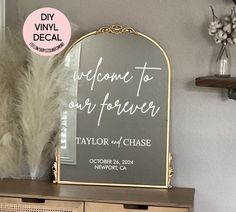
{"x":37,"y":205}
{"x":102,"y":207}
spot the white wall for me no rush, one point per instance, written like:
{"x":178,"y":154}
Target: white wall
{"x":203,"y":120}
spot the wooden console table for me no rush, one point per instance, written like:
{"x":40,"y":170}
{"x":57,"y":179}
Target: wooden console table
{"x":40,"y":196}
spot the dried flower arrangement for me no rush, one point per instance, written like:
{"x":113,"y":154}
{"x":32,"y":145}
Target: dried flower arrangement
{"x":223,"y":30}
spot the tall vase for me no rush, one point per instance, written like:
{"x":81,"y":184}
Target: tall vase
{"x":223,"y":62}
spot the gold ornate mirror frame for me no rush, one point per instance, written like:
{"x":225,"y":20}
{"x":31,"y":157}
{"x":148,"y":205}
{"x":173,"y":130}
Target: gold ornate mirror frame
{"x":117,"y":30}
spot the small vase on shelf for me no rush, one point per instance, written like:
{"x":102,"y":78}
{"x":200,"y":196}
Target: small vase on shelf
{"x":223,"y":62}
{"x":223,"y":31}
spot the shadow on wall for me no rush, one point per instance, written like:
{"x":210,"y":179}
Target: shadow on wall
{"x":220,"y":92}
{"x":230,"y":1}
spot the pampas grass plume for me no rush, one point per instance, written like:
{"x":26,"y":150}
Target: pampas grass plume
{"x":11,"y":60}
{"x":40,"y":107}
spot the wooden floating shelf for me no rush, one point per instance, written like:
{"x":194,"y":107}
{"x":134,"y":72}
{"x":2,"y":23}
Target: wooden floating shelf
{"x":219,"y":82}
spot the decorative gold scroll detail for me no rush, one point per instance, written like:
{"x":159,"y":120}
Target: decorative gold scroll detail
{"x":54,"y":169}
{"x":171,"y":171}
{"x":116,"y":29}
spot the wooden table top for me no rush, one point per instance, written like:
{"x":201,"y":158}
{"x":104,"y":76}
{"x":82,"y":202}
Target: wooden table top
{"x":174,"y":197}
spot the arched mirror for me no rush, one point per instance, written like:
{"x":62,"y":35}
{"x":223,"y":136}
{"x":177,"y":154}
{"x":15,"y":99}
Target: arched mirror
{"x":117,"y":122}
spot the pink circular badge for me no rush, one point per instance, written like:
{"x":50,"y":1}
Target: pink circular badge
{"x":46,"y":31}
